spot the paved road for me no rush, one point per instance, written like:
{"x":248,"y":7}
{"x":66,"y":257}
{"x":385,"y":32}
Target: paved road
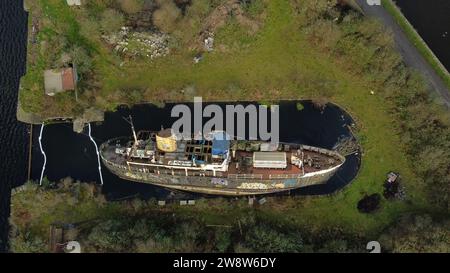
{"x":411,"y":55}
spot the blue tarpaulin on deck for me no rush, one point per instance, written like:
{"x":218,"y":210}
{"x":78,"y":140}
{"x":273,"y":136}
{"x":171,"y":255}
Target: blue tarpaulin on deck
{"x":221,"y":143}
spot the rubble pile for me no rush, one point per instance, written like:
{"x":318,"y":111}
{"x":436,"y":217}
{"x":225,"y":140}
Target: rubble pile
{"x":139,"y":44}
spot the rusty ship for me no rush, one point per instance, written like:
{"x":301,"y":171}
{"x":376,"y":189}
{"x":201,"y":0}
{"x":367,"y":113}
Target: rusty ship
{"x":217,"y":164}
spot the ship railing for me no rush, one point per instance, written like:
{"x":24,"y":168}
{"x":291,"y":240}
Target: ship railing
{"x":284,"y":176}
{"x":295,"y":146}
{"x":319,"y":150}
{"x":175,"y":172}
{"x":245,"y":176}
{"x":119,"y":166}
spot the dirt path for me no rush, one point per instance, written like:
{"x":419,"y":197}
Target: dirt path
{"x":411,"y":55}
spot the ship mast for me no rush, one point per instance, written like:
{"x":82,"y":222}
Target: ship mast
{"x":130,"y":121}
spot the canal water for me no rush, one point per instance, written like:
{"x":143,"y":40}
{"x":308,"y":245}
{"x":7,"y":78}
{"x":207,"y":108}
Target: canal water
{"x":431,"y":18}
{"x":13,"y":135}
{"x":73,"y":155}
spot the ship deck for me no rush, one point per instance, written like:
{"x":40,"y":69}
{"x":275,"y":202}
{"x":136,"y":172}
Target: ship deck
{"x":321,"y":162}
{"x":290,"y":169}
{"x":241,"y":177}
{"x":240,"y":166}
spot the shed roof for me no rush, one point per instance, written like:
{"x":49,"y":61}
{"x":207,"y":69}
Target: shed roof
{"x":56,"y":81}
{"x":52,"y":82}
{"x":68,"y":79}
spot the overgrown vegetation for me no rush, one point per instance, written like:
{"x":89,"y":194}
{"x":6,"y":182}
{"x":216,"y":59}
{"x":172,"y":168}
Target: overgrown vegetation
{"x":58,"y":28}
{"x":142,"y":226}
{"x":367,"y":51}
{"x":418,"y":233}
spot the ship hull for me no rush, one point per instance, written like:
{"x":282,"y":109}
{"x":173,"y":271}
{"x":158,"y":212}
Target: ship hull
{"x":221,"y":185}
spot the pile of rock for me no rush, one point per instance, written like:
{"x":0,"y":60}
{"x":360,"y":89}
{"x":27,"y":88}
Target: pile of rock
{"x":209,"y":42}
{"x":139,"y":44}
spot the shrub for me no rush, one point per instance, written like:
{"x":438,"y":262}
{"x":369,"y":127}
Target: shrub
{"x":111,"y":235}
{"x":166,"y":16}
{"x":131,"y":6}
{"x":222,"y":240}
{"x":111,"y":21}
{"x":417,"y":233}
{"x":266,"y":239}
{"x":369,"y":203}
{"x":82,"y":60}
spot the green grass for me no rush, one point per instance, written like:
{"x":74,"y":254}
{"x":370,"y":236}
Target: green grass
{"x":273,"y":60}
{"x":418,"y":42}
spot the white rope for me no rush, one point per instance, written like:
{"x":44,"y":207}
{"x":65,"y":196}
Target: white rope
{"x":98,"y":154}
{"x":43,"y":153}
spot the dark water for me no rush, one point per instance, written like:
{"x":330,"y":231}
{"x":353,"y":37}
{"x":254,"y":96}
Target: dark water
{"x":13,"y":135}
{"x":431,"y":18}
{"x":72,"y":154}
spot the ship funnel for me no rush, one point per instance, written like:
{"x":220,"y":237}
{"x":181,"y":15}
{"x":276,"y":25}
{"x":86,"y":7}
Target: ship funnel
{"x":166,"y":141}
